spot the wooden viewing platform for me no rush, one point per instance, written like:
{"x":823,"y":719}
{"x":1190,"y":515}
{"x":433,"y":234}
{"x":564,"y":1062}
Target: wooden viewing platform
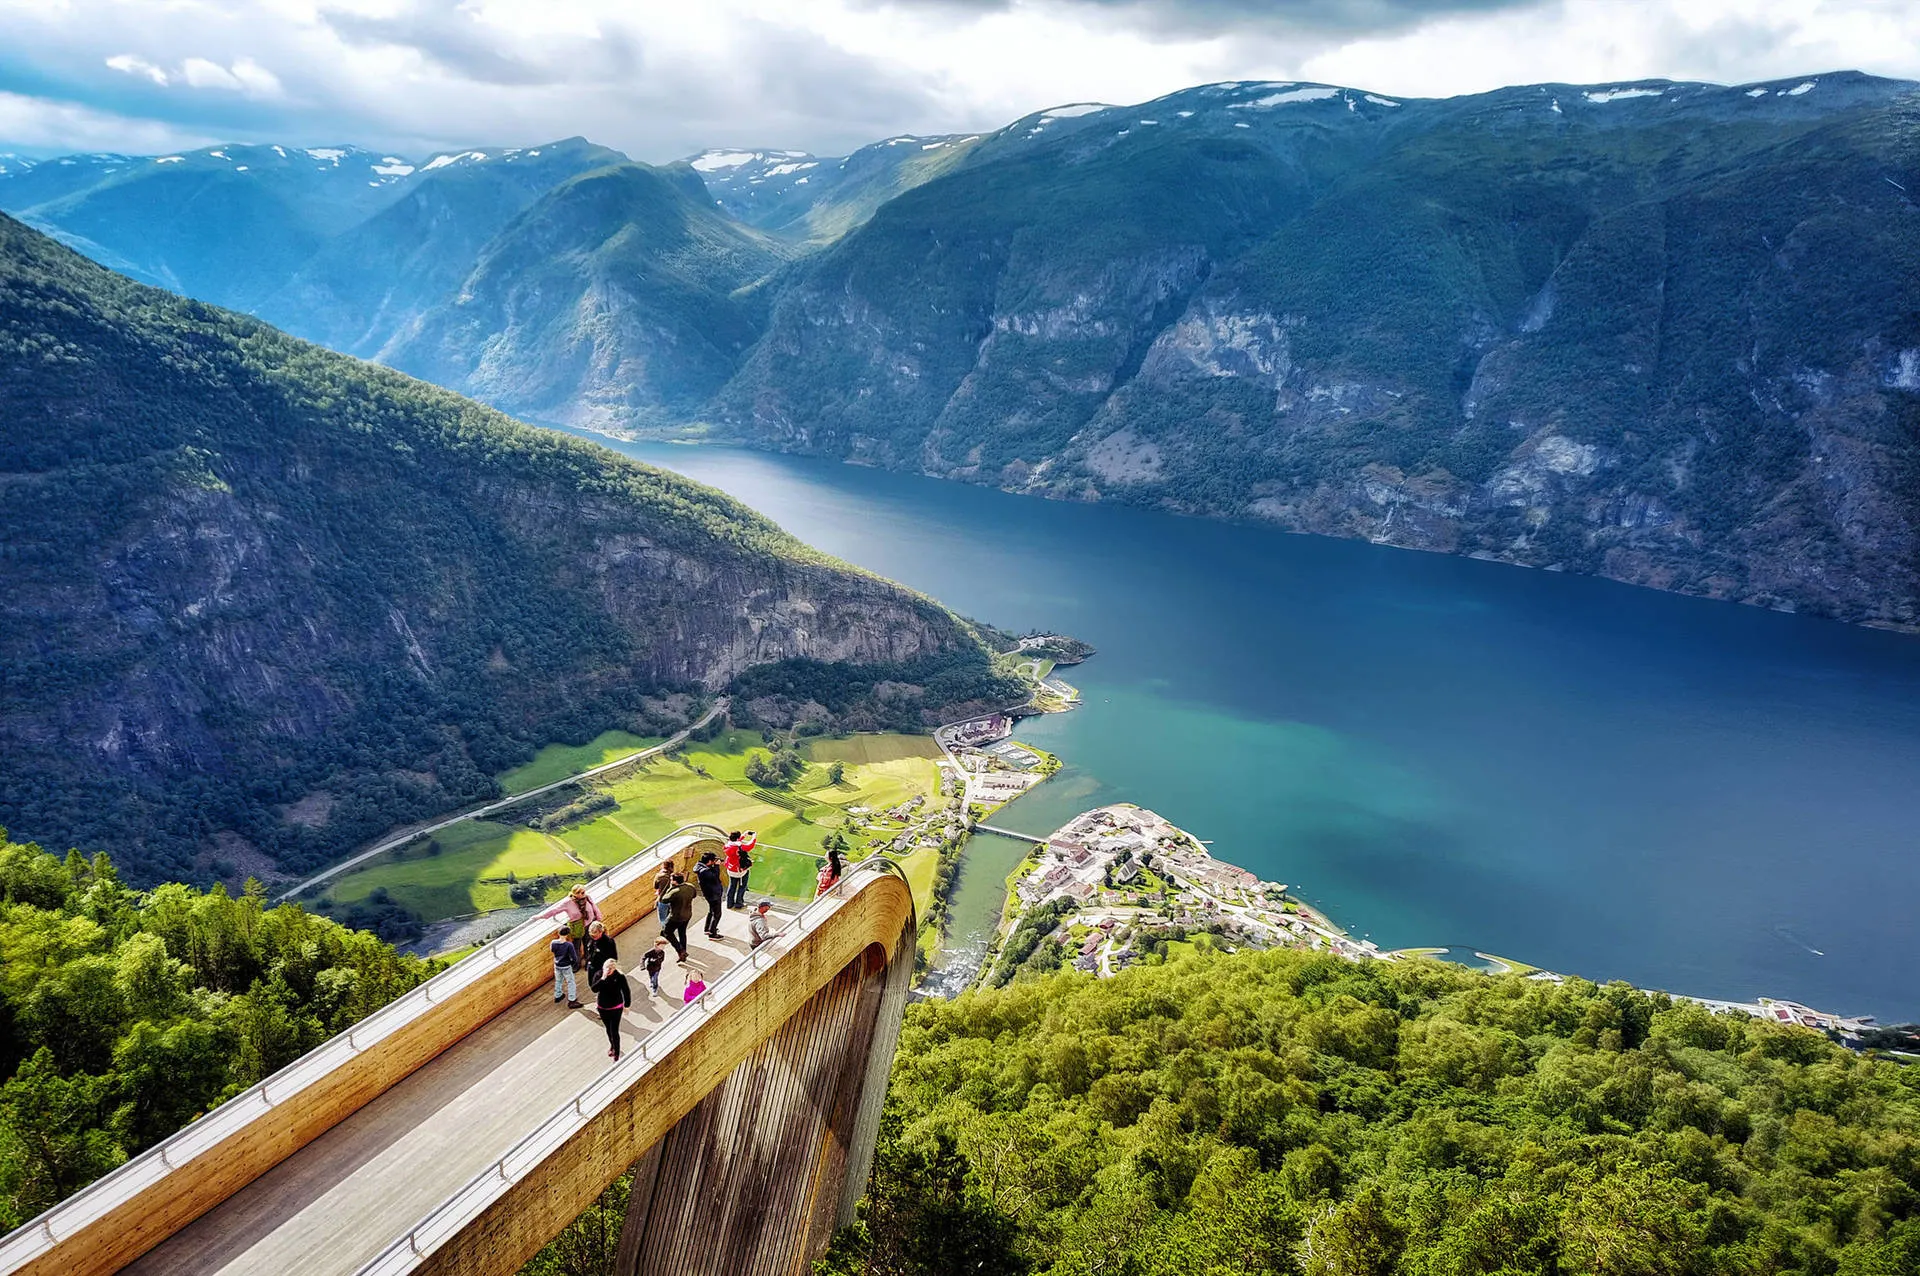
{"x":463,"y":1126}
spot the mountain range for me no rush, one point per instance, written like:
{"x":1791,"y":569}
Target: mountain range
{"x":261,"y":601}
{"x":1663,"y":332}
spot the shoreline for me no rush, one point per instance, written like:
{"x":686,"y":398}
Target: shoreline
{"x":1099,"y":871}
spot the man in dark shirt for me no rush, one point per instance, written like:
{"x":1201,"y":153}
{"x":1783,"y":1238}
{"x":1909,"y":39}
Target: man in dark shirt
{"x":563,"y":959}
{"x":679,"y":913}
{"x":600,"y":951}
{"x":713,"y":888}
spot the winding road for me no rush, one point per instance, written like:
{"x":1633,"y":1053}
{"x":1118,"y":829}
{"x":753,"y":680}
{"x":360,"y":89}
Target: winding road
{"x":407,"y":835}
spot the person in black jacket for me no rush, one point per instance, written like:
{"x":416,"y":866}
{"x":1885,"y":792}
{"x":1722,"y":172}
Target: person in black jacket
{"x":713,"y":889}
{"x":612,"y":997}
{"x":600,"y":951}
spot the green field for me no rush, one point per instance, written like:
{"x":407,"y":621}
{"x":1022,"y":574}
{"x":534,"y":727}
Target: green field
{"x":868,"y":749}
{"x":467,"y":876}
{"x":558,"y":761}
{"x":703,"y":783}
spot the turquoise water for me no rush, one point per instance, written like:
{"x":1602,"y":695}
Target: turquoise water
{"x":1597,"y":779}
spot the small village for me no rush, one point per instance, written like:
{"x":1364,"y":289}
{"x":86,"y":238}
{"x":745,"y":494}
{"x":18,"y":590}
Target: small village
{"x":987,"y":768}
{"x":1126,"y":880}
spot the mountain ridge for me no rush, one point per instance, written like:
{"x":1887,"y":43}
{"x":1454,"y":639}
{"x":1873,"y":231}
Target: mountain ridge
{"x":1334,"y":312}
{"x":1305,"y":305}
{"x":262,"y":601}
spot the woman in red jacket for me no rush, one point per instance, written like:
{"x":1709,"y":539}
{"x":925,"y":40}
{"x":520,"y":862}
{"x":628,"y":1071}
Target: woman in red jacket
{"x":740,"y":848}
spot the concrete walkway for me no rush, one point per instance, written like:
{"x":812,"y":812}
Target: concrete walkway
{"x":337,"y":1202}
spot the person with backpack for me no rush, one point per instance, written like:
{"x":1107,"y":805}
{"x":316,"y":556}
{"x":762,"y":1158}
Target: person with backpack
{"x":712,"y":890}
{"x":612,"y":998}
{"x":739,"y":860}
{"x":564,"y":959}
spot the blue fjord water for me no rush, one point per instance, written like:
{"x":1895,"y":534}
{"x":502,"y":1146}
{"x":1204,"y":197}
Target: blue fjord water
{"x":1586,"y":776}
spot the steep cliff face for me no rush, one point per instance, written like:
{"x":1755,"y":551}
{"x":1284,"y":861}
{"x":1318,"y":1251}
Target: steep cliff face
{"x":263,"y":598}
{"x":1664,"y":333}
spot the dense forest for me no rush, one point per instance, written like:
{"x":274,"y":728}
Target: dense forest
{"x":125,"y":1014}
{"x":1230,"y":1115}
{"x":1286,"y":1113}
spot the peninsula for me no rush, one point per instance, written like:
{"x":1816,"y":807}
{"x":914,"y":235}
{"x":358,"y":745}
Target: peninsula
{"x":1120,"y":884}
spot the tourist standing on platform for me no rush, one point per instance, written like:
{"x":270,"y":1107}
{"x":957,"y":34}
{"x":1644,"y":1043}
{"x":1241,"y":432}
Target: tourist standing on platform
{"x":656,"y":958}
{"x":760,"y":925}
{"x":579,"y":910}
{"x":695,"y":986}
{"x":739,"y":858}
{"x":662,"y":883}
{"x":679,"y":913}
{"x":712,"y":889}
{"x":600,"y":951}
{"x":829,"y":873}
{"x":612,"y":998}
{"x":564,"y":959}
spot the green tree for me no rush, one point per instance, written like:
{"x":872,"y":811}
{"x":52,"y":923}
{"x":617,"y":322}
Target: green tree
{"x":52,"y":1136}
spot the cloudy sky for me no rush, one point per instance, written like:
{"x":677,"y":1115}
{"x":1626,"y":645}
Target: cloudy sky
{"x":660,"y":79}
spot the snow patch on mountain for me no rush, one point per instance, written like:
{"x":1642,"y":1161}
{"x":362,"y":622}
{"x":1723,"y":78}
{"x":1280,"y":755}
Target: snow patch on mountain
{"x":1307,"y":93}
{"x":1073,"y":110}
{"x":441,"y":161}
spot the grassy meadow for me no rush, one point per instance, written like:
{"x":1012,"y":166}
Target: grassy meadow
{"x":469,"y":867}
{"x":558,"y":761}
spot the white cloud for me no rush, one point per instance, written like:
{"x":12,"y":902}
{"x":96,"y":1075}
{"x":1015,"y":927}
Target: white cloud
{"x":1597,"y":41}
{"x":36,"y":124}
{"x":127,"y":64}
{"x":244,"y":76}
{"x":659,"y":80}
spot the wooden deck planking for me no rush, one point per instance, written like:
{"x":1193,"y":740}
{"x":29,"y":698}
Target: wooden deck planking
{"x":342,"y":1198}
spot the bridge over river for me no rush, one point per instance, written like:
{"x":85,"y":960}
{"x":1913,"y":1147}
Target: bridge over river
{"x":463,"y":1126}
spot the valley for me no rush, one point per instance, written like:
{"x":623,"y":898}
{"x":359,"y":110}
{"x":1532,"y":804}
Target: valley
{"x":399,"y":540}
{"x":1657,"y":331}
{"x":889,"y":795}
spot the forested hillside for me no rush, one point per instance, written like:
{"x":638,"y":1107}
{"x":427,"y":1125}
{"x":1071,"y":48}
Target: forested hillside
{"x":125,"y":1015}
{"x":260,"y":602}
{"x":1285,"y":1113}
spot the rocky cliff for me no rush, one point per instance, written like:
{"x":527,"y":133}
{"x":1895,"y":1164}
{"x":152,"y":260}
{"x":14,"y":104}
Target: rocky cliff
{"x":260,"y":601}
{"x":1661,"y":332}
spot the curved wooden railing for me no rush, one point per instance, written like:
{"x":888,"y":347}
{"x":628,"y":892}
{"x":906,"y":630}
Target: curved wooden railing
{"x":121,"y":1215}
{"x":428,"y":1245}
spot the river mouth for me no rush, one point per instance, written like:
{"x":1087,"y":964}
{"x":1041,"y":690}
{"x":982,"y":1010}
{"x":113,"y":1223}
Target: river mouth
{"x":1587,"y":777}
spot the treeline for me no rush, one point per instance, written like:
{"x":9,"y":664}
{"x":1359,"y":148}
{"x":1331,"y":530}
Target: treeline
{"x":905,"y":696}
{"x":125,"y":1014}
{"x":1289,"y":1113}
